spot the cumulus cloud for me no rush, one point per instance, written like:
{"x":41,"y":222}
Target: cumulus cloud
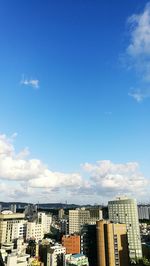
{"x":16,"y":167}
{"x":13,"y":167}
{"x":34,"y":83}
{"x":111,"y":177}
{"x":58,"y":180}
{"x":140,"y":33}
{"x":24,"y":178}
{"x":138,"y":51}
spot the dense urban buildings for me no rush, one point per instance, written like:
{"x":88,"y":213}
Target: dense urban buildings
{"x":112,"y":245}
{"x":38,"y":238}
{"x":124,"y":210}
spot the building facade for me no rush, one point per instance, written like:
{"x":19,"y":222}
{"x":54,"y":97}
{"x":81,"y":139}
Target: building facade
{"x":12,"y":226}
{"x":144,"y":212}
{"x":112,"y":244}
{"x":56,"y":256}
{"x":34,"y":231}
{"x":45,"y":220}
{"x":124,"y":210}
{"x":61,"y":213}
{"x":77,"y":259}
{"x":82,"y":216}
{"x":88,"y":243}
{"x":71,"y":243}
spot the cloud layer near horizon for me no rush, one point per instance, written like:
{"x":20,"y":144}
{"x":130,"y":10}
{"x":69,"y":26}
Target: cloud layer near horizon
{"x":23,"y":178}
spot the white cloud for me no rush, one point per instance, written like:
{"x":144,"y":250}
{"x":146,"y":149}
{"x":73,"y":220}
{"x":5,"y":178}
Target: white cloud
{"x":34,"y":83}
{"x":111,"y":177}
{"x":138,"y":51}
{"x":57,"y":180}
{"x":140,"y":33}
{"x":31,"y":180}
{"x":15,"y":166}
{"x":137,"y":95}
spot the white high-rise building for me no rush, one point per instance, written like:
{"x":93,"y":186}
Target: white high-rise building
{"x":82,"y":216}
{"x":124,"y":210}
{"x":34,"y":231}
{"x":45,"y":220}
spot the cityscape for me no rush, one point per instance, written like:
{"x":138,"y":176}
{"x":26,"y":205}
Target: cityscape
{"x":116,"y":234}
{"x":74,"y":133}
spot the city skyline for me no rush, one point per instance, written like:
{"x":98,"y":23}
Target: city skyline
{"x":75,"y":95}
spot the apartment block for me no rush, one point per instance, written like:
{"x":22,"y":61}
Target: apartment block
{"x":56,"y":256}
{"x":12,"y":226}
{"x":81,"y":216}
{"x":71,"y":243}
{"x":45,"y":220}
{"x":34,"y":231}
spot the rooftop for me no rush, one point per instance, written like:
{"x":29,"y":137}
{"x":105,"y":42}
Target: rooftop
{"x":76,"y":256}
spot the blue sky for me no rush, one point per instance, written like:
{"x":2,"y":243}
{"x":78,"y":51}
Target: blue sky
{"x":74,"y":85}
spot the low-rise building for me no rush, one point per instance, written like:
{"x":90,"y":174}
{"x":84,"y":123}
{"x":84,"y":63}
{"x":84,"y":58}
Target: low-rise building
{"x":76,"y":259}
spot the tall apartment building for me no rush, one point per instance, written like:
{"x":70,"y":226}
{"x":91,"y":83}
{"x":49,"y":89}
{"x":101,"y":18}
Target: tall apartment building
{"x":82,"y":216}
{"x":71,"y":243}
{"x":12,"y":226}
{"x":144,"y":212}
{"x":34,"y":231}
{"x":56,"y":256}
{"x":61,"y":213}
{"x":124,"y":210}
{"x":45,"y":220}
{"x":112,"y":244}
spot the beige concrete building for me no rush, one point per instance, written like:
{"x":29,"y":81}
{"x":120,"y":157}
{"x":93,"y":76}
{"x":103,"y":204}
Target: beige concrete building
{"x":82,"y":216}
{"x":112,"y":245}
{"x":61,"y":213}
{"x":12,"y":226}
